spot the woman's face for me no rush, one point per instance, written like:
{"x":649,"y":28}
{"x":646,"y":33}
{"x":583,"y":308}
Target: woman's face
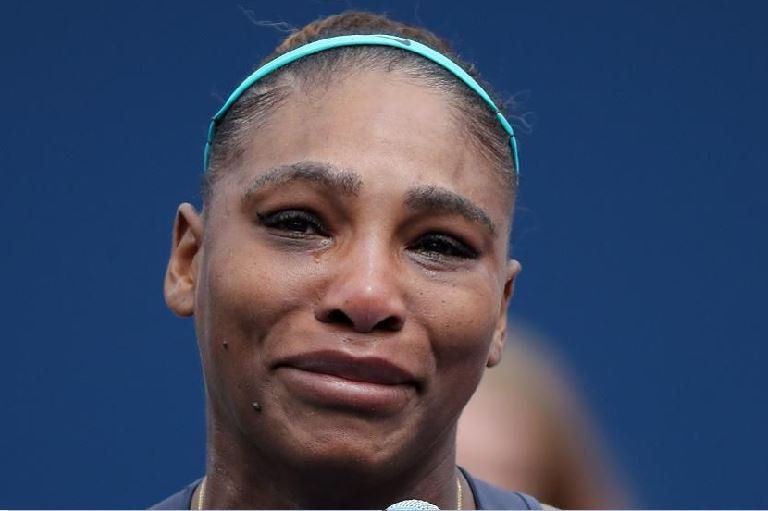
{"x":350,"y":277}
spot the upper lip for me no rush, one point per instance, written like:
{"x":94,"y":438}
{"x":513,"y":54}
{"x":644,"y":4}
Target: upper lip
{"x":362,"y":369}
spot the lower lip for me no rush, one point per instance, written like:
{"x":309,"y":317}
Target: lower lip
{"x":336,"y":392}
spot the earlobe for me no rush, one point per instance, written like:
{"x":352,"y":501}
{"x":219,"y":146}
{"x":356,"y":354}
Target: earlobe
{"x":497,"y":348}
{"x":500,"y":334}
{"x":181,"y":274}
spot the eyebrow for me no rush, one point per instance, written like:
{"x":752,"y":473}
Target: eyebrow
{"x":346,"y":182}
{"x":341,"y":181}
{"x":439,"y":199}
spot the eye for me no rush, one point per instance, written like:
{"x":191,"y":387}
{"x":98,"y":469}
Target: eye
{"x":295,"y":222}
{"x":440,"y":246}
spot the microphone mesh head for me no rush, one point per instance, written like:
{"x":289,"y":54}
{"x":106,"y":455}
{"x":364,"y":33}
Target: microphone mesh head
{"x":409,"y":505}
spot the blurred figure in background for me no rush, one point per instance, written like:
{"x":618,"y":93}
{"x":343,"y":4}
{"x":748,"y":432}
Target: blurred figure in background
{"x":527,"y":428}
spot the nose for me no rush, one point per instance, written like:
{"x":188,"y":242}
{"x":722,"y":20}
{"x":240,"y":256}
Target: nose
{"x":363,"y":293}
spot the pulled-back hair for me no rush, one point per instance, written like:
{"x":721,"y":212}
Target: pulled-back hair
{"x":252,"y":110}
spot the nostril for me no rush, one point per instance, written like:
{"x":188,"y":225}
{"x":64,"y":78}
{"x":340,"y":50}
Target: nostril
{"x":338,"y":316}
{"x":390,"y":324}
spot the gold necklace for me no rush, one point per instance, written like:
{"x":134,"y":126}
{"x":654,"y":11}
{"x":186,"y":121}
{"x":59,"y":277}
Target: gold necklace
{"x":200,"y":495}
{"x":459,"y":494}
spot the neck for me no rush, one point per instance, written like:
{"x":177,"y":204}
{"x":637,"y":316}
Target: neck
{"x":239,"y":475}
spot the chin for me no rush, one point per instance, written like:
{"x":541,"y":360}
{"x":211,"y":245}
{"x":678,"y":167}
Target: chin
{"x":339,"y":441}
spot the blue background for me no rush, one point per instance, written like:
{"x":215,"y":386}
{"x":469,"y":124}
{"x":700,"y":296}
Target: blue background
{"x":640,"y":228}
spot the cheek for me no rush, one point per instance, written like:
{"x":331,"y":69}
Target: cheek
{"x":245,"y":291}
{"x":461,"y":320}
{"x":245,"y":295}
{"x":461,"y":317}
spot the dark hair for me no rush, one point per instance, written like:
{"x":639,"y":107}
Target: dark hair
{"x":253,"y":108}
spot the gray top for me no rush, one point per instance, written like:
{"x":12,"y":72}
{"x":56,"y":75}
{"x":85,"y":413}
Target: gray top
{"x":486,"y":497}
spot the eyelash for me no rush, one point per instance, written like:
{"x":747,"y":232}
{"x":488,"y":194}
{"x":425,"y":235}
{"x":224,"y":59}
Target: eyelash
{"x":302,"y":223}
{"x":444,"y":246}
{"x":294,"y":222}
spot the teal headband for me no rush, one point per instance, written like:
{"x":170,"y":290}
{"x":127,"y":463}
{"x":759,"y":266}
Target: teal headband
{"x":359,"y":40}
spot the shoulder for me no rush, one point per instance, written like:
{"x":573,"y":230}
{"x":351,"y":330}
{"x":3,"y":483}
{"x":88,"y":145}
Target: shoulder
{"x":179,"y":500}
{"x":490,"y":497}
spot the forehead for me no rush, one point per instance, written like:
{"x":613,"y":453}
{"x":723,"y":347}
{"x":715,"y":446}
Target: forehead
{"x":393,"y":132}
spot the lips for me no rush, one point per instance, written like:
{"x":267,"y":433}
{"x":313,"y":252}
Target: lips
{"x":337,"y":380}
{"x":359,"y":369}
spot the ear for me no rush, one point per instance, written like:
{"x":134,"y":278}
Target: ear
{"x":500,"y":333}
{"x":181,"y":274}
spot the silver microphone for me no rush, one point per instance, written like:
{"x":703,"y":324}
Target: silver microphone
{"x":410,"y":505}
